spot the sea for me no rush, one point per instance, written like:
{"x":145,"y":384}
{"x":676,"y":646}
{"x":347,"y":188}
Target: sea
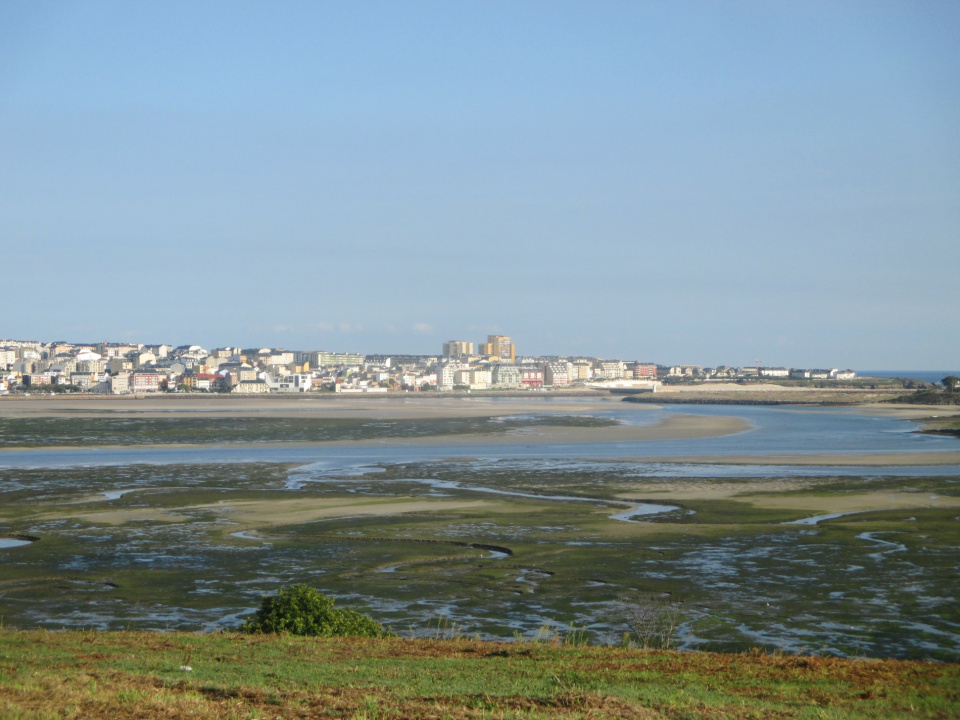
{"x":930,"y":376}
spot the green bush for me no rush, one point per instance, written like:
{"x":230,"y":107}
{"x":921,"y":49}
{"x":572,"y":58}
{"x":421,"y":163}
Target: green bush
{"x":301,"y":610}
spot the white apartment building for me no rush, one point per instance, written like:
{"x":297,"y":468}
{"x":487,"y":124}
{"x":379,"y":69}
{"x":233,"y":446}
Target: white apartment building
{"x":556,"y":374}
{"x":120,"y":384}
{"x":581,"y":371}
{"x":611,"y":370}
{"x":480,"y":379}
{"x":93,"y":366}
{"x":843,"y":374}
{"x":300,"y":382}
{"x":774,"y":372}
{"x":505,"y":376}
{"x":251,"y":387}
{"x":446,"y":375}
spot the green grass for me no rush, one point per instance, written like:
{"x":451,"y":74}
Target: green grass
{"x":127,"y":674}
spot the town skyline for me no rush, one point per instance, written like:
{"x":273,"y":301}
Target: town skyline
{"x":476,"y":349}
{"x":121,"y":368}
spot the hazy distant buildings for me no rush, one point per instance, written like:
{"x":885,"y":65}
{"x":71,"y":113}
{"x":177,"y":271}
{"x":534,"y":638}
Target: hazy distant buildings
{"x":581,"y":371}
{"x":473,"y":379}
{"x":119,"y":365}
{"x":144,"y":382}
{"x":531,"y":377}
{"x":120,"y":384}
{"x":505,"y":376}
{"x":456,"y":348}
{"x":556,"y":374}
{"x":500,"y":347}
{"x":138,"y":368}
{"x":643,"y":371}
{"x":778,"y":372}
{"x":251,"y":387}
{"x":610,"y":370}
{"x":327,"y":359}
{"x":446,"y":374}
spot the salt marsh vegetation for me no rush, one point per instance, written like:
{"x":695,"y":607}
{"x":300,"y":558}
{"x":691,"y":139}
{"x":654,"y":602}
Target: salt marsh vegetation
{"x":156,"y":429}
{"x":500,"y":548}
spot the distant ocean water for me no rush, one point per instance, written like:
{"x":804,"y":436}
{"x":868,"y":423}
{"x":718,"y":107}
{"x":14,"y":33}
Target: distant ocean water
{"x":929,"y":376}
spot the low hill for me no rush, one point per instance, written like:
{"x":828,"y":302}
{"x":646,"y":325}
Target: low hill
{"x":92,"y":674}
{"x":929,"y":397}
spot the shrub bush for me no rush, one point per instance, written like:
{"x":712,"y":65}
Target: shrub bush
{"x":301,"y":610}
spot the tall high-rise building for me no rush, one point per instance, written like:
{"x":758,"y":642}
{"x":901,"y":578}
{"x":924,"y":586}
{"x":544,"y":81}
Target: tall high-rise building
{"x":456,"y":348}
{"x":499,"y":346}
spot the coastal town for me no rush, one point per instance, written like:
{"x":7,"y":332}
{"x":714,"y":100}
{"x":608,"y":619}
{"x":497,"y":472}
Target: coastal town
{"x":116,"y":368}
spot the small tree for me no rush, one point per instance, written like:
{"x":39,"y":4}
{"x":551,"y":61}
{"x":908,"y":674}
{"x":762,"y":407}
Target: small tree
{"x":951,"y":382}
{"x":301,"y":610}
{"x":653,"y":619}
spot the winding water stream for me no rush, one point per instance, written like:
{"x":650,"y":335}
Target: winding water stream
{"x":310,"y":474}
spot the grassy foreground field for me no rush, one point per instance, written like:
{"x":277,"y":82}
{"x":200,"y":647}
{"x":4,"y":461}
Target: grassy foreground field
{"x":87,"y":674}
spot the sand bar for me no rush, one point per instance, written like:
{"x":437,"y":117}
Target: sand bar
{"x":672,"y":427}
{"x":855,"y":502}
{"x":948,"y":457}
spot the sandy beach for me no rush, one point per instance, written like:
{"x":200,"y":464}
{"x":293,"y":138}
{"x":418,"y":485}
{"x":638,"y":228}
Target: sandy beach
{"x":672,"y":427}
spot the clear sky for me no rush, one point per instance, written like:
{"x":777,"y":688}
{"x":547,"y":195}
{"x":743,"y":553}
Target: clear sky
{"x":676,"y":182}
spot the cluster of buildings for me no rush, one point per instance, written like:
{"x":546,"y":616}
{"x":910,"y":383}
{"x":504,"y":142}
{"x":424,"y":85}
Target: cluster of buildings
{"x":723,"y":372}
{"x":494,"y":364}
{"x":125,"y":368}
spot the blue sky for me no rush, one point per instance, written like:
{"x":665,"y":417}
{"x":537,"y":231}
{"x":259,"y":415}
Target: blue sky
{"x":689,"y":182}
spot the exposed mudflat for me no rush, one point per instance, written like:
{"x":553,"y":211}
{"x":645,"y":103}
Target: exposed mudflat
{"x":789,"y":528}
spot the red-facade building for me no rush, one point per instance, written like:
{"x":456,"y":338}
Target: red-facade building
{"x":141,"y":382}
{"x":644,"y":372}
{"x":532,"y":378}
